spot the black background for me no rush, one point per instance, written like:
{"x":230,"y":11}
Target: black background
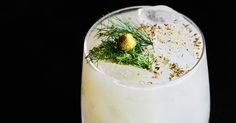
{"x":52,"y":34}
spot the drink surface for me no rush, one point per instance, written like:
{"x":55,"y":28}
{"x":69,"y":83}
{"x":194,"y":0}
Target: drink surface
{"x":177,"y":47}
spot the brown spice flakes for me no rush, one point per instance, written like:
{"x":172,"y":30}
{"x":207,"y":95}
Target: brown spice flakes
{"x":155,"y":60}
{"x":176,"y":71}
{"x":168,"y":28}
{"x":197,"y":42}
{"x":149,"y":83}
{"x":142,"y":25}
{"x":185,"y":25}
{"x":146,"y":83}
{"x":171,"y":76}
{"x":165,"y":61}
{"x":156,"y":74}
{"x":157,"y":68}
{"x":142,"y":49}
{"x":190,"y":30}
{"x":172,"y":66}
{"x":154,"y":77}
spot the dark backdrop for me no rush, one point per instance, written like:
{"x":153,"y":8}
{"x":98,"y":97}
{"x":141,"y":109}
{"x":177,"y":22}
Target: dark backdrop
{"x":53,"y":33}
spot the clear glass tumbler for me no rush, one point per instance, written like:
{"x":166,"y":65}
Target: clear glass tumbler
{"x":105,"y":100}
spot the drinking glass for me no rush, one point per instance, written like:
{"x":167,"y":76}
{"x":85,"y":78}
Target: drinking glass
{"x":105,"y":99}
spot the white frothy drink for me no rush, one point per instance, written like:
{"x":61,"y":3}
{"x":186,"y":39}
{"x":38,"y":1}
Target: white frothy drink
{"x":175,"y":90}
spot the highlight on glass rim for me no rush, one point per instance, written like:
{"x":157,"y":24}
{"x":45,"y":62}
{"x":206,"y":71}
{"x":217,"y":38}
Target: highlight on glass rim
{"x":145,"y":64}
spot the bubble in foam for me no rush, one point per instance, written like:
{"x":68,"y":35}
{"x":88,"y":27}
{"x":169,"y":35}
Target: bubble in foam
{"x":157,"y":14}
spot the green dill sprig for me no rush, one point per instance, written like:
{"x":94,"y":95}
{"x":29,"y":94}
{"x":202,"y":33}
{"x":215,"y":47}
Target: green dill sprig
{"x":116,"y":27}
{"x":109,"y":49}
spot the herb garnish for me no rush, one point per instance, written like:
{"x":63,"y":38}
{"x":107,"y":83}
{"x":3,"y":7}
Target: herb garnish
{"x":110,"y":49}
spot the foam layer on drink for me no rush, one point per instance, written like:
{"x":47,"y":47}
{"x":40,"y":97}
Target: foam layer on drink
{"x":177,"y":43}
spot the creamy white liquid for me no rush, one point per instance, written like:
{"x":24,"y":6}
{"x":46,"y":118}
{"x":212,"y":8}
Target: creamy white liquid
{"x":174,"y":42}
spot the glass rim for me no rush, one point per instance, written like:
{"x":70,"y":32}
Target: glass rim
{"x":153,"y":86}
